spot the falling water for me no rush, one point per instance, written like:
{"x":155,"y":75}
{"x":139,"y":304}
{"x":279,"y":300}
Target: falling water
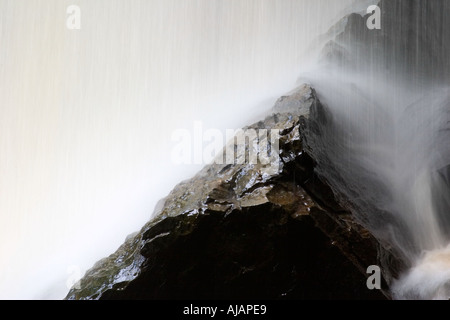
{"x":387,"y":150}
{"x":86,"y":115}
{"x":86,"y":118}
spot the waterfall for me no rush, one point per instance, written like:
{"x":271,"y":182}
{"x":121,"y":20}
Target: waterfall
{"x":86,"y":118}
{"x":86,"y":115}
{"x":387,"y":150}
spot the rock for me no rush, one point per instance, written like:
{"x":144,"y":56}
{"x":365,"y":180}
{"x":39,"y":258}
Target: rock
{"x":241,"y":231}
{"x":413,"y":44}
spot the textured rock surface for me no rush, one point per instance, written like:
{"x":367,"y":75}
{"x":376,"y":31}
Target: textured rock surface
{"x":243,"y":231}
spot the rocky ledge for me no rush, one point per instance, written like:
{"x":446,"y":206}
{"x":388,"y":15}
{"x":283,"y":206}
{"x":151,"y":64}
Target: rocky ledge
{"x":243,"y":231}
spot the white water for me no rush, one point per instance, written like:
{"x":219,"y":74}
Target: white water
{"x":86,"y":115}
{"x":388,"y":150}
{"x":86,"y":118}
{"x":429,"y":278}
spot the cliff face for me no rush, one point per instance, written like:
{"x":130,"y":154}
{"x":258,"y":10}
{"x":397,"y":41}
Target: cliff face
{"x":243,"y":231}
{"x":413,"y":44}
{"x":389,"y":93}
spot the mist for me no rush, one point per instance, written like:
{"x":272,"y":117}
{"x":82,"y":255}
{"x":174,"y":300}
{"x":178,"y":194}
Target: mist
{"x":86,"y":115}
{"x":385,"y":151}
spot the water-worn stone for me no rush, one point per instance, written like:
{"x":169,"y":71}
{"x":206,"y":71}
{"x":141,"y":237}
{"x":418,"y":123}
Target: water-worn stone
{"x":240,"y":231}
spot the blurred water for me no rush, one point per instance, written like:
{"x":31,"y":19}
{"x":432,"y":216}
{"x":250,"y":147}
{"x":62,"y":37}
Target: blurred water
{"x":387,"y":151}
{"x":86,"y":115}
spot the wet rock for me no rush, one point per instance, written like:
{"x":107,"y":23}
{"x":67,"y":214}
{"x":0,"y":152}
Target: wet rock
{"x":412,"y":45}
{"x":247,"y":231}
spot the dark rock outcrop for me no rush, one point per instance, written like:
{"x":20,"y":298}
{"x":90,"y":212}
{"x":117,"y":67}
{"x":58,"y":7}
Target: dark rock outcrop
{"x":390,"y":101}
{"x":249,"y":231}
{"x":413,"y":44}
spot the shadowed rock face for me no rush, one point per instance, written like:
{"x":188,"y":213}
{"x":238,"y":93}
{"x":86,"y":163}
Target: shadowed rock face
{"x":237,"y":231}
{"x":413,"y":44}
{"x":390,"y":100}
